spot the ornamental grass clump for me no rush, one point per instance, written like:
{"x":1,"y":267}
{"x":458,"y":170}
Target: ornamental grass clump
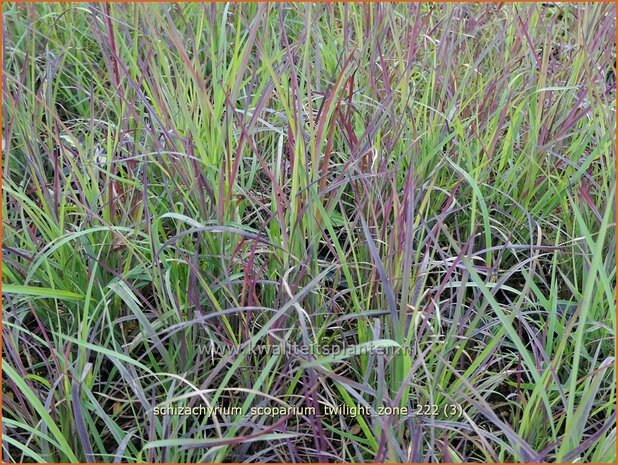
{"x":308,"y":232}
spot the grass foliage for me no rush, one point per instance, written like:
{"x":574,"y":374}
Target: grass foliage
{"x":429,"y":186}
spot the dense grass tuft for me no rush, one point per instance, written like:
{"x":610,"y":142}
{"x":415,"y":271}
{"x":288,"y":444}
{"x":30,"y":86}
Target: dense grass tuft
{"x":430,"y":187}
